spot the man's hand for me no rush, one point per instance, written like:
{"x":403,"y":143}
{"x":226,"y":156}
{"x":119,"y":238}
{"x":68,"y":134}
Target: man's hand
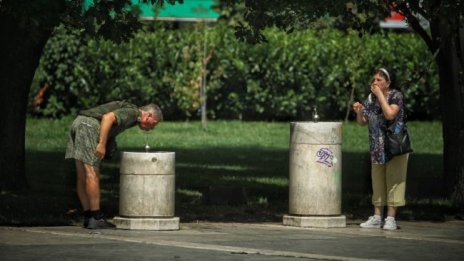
{"x":100,"y":151}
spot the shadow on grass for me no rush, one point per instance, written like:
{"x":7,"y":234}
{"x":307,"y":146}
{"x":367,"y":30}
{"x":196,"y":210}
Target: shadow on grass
{"x":217,"y":184}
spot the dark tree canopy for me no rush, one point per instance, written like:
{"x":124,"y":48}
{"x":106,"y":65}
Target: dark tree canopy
{"x":361,"y":15}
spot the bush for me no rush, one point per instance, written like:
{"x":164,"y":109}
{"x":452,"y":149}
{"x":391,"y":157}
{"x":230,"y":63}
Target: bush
{"x":282,"y":79}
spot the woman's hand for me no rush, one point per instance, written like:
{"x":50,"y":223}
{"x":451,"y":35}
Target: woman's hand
{"x":376,"y":90}
{"x":357,"y":107}
{"x":360,"y":119}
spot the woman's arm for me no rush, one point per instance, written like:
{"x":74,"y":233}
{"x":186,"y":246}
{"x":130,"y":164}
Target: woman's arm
{"x":389,"y":110}
{"x":360,"y":119}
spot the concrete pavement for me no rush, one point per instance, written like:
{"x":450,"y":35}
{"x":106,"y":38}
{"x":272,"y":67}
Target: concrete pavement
{"x":237,"y":241}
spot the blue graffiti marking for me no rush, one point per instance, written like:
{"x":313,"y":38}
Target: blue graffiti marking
{"x":325,"y":157}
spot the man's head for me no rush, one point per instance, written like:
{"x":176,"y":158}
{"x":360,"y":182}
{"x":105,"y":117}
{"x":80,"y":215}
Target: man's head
{"x":151,"y":115}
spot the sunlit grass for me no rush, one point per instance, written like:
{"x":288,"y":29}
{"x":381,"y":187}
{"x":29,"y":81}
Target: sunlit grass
{"x":217,"y":134}
{"x":52,"y":135}
{"x":47,"y":134}
{"x":426,"y":137}
{"x":275,"y":181}
{"x":189,"y":193}
{"x":213,"y":166}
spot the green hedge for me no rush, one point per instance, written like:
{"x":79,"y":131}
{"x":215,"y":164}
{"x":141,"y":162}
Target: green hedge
{"x":278,"y":80}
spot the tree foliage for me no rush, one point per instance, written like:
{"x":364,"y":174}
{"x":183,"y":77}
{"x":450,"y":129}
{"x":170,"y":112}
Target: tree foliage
{"x":281,"y":79}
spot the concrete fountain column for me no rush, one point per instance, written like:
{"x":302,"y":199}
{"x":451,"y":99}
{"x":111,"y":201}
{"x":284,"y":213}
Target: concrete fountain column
{"x":315,"y":178}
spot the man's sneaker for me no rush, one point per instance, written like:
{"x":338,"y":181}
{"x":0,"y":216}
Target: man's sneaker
{"x":373,"y":222}
{"x":86,"y":222}
{"x":86,"y":214}
{"x":99,"y":224}
{"x":390,"y":224}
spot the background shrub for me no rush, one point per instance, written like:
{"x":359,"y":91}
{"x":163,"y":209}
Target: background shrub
{"x":282,"y":79}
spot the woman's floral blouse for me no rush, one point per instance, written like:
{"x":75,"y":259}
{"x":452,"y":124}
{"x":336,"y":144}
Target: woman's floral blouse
{"x":377,"y":123}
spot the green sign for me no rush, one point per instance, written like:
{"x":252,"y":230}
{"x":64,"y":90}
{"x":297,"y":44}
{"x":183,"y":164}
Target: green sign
{"x":190,"y":10}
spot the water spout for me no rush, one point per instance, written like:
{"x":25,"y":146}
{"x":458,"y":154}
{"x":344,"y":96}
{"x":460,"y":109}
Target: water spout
{"x":147,"y":147}
{"x":315,"y":115}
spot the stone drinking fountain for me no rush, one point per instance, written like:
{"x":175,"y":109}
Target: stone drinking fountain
{"x":315,"y":185}
{"x":147,"y":191}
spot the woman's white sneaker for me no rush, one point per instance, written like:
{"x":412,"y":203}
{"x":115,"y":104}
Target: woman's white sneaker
{"x":390,"y":224}
{"x":373,"y":222}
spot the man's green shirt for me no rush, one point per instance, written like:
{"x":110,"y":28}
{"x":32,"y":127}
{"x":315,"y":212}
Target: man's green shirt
{"x":127,"y":115}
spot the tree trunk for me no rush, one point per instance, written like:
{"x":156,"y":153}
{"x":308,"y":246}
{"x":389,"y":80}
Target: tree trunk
{"x":20,"y":50}
{"x":452,"y":105}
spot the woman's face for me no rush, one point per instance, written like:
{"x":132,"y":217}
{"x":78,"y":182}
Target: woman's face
{"x":380,"y":81}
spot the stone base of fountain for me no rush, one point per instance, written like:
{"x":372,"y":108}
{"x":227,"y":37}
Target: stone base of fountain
{"x":147,"y":223}
{"x":315,"y":221}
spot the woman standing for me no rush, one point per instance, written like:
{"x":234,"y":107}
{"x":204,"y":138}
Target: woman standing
{"x":384,"y":104}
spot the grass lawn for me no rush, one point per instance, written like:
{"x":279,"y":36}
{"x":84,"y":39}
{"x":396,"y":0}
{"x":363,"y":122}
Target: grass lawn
{"x":233,"y":171}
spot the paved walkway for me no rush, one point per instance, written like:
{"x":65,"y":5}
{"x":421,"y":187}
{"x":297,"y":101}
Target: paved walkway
{"x":237,"y":241}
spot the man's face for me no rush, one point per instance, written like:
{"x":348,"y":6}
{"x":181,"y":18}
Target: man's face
{"x":148,"y":121}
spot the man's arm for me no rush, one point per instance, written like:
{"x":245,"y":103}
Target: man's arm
{"x":105,"y":126}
